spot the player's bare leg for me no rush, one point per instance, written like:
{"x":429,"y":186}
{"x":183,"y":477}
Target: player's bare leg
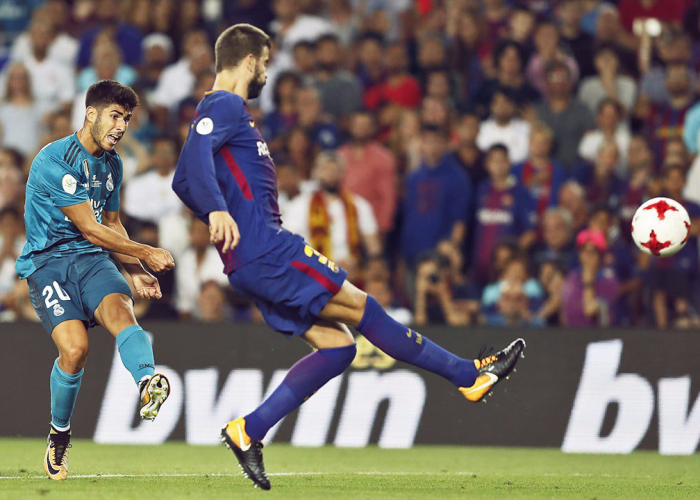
{"x":72,"y":341}
{"x":334,"y":351}
{"x":116,"y":314}
{"x":474,"y":378}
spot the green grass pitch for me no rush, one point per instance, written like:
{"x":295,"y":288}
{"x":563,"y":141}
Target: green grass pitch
{"x":176,"y":470}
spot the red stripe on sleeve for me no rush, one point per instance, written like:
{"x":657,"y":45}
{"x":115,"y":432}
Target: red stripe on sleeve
{"x":237,"y":173}
{"x":312,"y":273}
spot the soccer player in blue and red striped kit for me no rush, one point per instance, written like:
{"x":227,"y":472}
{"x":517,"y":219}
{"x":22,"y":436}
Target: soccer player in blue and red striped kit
{"x":226,"y":176}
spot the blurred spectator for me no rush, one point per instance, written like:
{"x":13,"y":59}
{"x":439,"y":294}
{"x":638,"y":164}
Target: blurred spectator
{"x":640,"y":168}
{"x":620,"y":257}
{"x":62,"y":48}
{"x":434,"y":300}
{"x":284,"y":116}
{"x":664,"y":122}
{"x":509,"y":59}
{"x":340,"y":90}
{"x":610,"y":129}
{"x":432,"y":55}
{"x":20,"y":116}
{"x":608,"y":84}
{"x":504,"y":209}
{"x":344,"y":20}
{"x":548,"y":53}
{"x":127,"y":37}
{"x":157,"y":54}
{"x":467,"y":153}
{"x":673,"y":48}
{"x":338,"y":224}
{"x":399,"y":89}
{"x":11,"y":243}
{"x":199,"y":264}
{"x":380,"y":290}
{"x":370,"y":169}
{"x":301,"y":151}
{"x":503,"y":127}
{"x":370,"y":58}
{"x":513,"y":307}
{"x":288,"y":185}
{"x":256,"y":12}
{"x":673,"y":280}
{"x":106,"y":63}
{"x":290,"y":26}
{"x":572,"y":197}
{"x":590,"y":292}
{"x":149,"y":196}
{"x":11,"y":186}
{"x":436,"y":200}
{"x":383,"y":16}
{"x":515,"y":271}
{"x":310,"y":116}
{"x":178,"y":79}
{"x":600,"y":181}
{"x":405,"y":141}
{"x":568,"y":117}
{"x":521,"y":25}
{"x":579,"y":43}
{"x":212,"y":302}
{"x":609,"y":31}
{"x":53,"y":84}
{"x":551,"y":275}
{"x":557,"y":238}
{"x":304,"y":55}
{"x":464,"y":30}
{"x":538,"y":174}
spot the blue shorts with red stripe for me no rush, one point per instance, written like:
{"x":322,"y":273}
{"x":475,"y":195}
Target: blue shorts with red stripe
{"x":290,"y":285}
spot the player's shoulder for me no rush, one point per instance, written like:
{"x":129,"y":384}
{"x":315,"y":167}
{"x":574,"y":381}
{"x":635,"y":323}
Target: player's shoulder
{"x":62,"y":152}
{"x":222,"y":102}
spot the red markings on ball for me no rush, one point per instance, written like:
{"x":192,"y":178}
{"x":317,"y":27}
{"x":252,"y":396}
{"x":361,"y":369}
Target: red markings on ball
{"x":661,"y":208}
{"x":687,"y":228}
{"x":654,"y":245}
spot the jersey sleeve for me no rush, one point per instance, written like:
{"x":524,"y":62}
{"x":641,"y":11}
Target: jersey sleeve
{"x":112,"y":203}
{"x":61,"y":183}
{"x":216,"y":124}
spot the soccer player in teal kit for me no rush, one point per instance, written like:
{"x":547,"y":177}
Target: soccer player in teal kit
{"x":226,"y":176}
{"x":72,"y":219}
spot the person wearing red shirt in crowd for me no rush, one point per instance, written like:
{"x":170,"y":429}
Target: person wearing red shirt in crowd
{"x":667,"y":11}
{"x":399,"y":88}
{"x":539,"y":174}
{"x":370,"y":169}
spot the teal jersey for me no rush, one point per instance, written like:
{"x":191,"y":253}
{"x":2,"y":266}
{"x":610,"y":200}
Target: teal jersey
{"x":65,"y":174}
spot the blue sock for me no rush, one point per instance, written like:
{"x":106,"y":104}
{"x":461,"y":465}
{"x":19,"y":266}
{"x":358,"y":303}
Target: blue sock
{"x":306,"y":377}
{"x":64,"y":391}
{"x":404,"y":344}
{"x":136,"y":352}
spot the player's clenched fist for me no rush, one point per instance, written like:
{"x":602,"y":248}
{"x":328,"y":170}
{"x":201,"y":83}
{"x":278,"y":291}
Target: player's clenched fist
{"x":159,"y":260}
{"x":222,"y":228}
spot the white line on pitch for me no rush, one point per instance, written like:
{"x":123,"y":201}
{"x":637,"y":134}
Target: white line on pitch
{"x":364,"y":473}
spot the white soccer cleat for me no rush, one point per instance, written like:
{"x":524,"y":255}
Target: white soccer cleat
{"x":154,"y":392}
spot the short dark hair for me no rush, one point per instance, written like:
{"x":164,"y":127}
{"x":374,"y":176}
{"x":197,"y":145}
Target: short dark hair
{"x":327,"y":38}
{"x":505,"y":45}
{"x":236,"y":42}
{"x":106,"y":92}
{"x":497,"y":147}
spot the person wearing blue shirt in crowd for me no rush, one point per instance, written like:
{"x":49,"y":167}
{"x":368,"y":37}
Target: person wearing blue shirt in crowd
{"x":437,"y":199}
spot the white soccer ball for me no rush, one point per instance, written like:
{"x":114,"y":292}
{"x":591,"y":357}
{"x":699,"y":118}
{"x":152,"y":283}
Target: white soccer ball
{"x":661,"y":227}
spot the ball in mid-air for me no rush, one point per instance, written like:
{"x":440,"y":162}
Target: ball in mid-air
{"x":661,"y":227}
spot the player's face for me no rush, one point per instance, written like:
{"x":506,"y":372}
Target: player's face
{"x":110,"y":126}
{"x":260,"y":76}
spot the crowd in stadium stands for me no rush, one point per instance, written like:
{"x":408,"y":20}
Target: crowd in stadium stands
{"x":468,"y":161}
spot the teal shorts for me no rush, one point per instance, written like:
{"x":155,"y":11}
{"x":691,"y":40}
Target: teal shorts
{"x":72,"y":287}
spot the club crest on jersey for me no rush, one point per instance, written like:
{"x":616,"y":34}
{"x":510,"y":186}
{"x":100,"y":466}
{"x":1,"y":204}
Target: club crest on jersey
{"x":110,"y":183}
{"x":86,"y":167}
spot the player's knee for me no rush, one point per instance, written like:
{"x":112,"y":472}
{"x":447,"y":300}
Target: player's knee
{"x":73,"y":357}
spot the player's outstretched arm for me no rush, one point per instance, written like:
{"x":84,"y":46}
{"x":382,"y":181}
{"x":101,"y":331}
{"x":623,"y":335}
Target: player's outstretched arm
{"x":98,"y":234}
{"x":146,"y":284}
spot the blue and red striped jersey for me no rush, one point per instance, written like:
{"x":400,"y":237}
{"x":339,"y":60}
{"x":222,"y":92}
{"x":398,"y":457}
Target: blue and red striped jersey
{"x":225,"y":165}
